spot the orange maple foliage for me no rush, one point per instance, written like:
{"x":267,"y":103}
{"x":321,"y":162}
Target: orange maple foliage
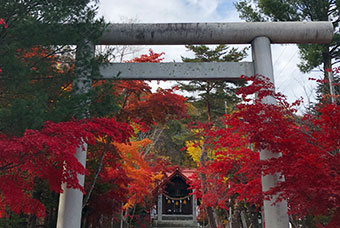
{"x":142,"y":179}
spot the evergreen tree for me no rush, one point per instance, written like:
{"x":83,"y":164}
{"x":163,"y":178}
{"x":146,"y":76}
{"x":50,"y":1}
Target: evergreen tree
{"x":35,"y":80}
{"x":213,"y":96}
{"x":36,"y":75}
{"x":312,"y":55}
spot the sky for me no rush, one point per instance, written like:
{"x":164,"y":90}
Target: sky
{"x":288,"y":79}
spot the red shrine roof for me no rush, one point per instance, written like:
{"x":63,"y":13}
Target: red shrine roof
{"x":185,"y":173}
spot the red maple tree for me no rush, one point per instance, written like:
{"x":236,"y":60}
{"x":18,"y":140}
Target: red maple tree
{"x":309,"y":146}
{"x":46,"y":154}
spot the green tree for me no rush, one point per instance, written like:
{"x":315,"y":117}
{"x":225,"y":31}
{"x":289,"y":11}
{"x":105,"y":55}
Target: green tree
{"x":34,"y":78}
{"x":36,"y":74}
{"x":312,"y":55}
{"x":213,"y":96}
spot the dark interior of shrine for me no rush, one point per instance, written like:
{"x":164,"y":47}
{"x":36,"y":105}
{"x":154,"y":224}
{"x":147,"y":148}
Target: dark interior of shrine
{"x":177,"y":198}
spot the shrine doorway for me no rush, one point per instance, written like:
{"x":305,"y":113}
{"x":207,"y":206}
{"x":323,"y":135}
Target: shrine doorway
{"x":176,"y":200}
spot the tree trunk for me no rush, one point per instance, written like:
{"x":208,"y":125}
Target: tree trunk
{"x":85,"y":213}
{"x":122,"y":218}
{"x":32,"y":221}
{"x":292,"y":221}
{"x":243,"y":219}
{"x":236,"y":217}
{"x":132,"y":216}
{"x":50,"y":220}
{"x":99,"y":168}
{"x":327,"y":67}
{"x":211,"y":217}
{"x":208,"y":101}
{"x":218,"y":219}
{"x":253,"y":217}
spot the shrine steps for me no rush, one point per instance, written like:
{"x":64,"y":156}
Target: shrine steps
{"x":175,"y":223}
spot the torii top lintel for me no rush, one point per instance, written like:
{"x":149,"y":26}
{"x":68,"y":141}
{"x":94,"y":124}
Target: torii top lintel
{"x":217,"y":33}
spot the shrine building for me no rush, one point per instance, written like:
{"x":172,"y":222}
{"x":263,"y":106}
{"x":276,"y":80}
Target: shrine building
{"x":175,"y":201}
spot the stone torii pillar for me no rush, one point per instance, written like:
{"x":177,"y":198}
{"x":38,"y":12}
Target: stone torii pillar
{"x":274,"y":215}
{"x":259,"y":34}
{"x":71,"y":200}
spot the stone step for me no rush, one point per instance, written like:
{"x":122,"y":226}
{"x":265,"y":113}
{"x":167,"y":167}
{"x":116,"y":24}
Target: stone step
{"x":175,"y":226}
{"x":177,"y":217}
{"x":175,"y":223}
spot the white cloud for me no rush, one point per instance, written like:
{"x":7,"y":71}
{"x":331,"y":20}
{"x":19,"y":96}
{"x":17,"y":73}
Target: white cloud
{"x":164,"y":11}
{"x":207,"y":6}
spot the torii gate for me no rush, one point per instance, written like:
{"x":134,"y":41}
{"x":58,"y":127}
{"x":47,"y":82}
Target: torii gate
{"x":259,"y":34}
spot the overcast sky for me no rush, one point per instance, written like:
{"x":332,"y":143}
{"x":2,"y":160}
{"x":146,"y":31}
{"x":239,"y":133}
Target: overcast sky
{"x":288,"y":78}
